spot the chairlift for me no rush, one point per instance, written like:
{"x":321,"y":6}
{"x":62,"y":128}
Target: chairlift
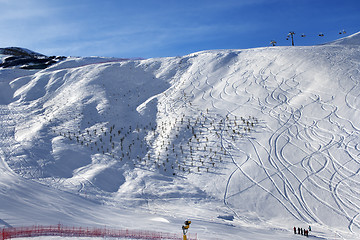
{"x":273,"y":42}
{"x":321,"y":34}
{"x":342,"y":32}
{"x":291,"y":34}
{"x":303,"y":35}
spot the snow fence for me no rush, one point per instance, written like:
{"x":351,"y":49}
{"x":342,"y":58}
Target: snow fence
{"x":63,"y":231}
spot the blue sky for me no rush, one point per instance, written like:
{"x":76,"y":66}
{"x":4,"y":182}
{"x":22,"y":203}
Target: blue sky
{"x":161,"y":28}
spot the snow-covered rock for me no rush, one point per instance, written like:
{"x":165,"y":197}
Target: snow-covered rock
{"x":15,"y":57}
{"x":18,"y":51}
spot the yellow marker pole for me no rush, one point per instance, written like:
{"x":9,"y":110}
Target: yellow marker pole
{"x":185,"y":229}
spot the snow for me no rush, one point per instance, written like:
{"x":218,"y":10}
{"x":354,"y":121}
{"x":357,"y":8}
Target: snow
{"x":353,"y":39}
{"x":244,"y":143}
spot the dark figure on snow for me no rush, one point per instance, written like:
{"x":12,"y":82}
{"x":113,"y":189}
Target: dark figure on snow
{"x":301,"y":231}
{"x":294,"y":230}
{"x":298,"y":230}
{"x":306,"y":233}
{"x":309,"y":228}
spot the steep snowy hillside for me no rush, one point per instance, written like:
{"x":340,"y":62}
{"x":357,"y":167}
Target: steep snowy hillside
{"x":243,"y":142}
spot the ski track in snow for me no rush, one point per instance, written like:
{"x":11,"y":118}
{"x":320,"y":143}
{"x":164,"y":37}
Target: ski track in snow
{"x":287,"y":138}
{"x":292,"y":193}
{"x":296,"y":183}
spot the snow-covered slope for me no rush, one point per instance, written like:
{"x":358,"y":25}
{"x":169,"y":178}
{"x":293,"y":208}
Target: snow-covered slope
{"x":353,"y":39}
{"x":245,"y":143}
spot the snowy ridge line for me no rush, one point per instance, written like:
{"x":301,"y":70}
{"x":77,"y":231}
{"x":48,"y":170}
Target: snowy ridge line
{"x":64,"y":231}
{"x":117,"y":60}
{"x":108,"y":61}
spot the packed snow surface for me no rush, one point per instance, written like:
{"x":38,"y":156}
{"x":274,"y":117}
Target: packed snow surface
{"x":246,"y":144}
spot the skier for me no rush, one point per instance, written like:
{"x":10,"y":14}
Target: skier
{"x":309,"y":228}
{"x":294,"y":230}
{"x":298,"y":230}
{"x":301,"y":231}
